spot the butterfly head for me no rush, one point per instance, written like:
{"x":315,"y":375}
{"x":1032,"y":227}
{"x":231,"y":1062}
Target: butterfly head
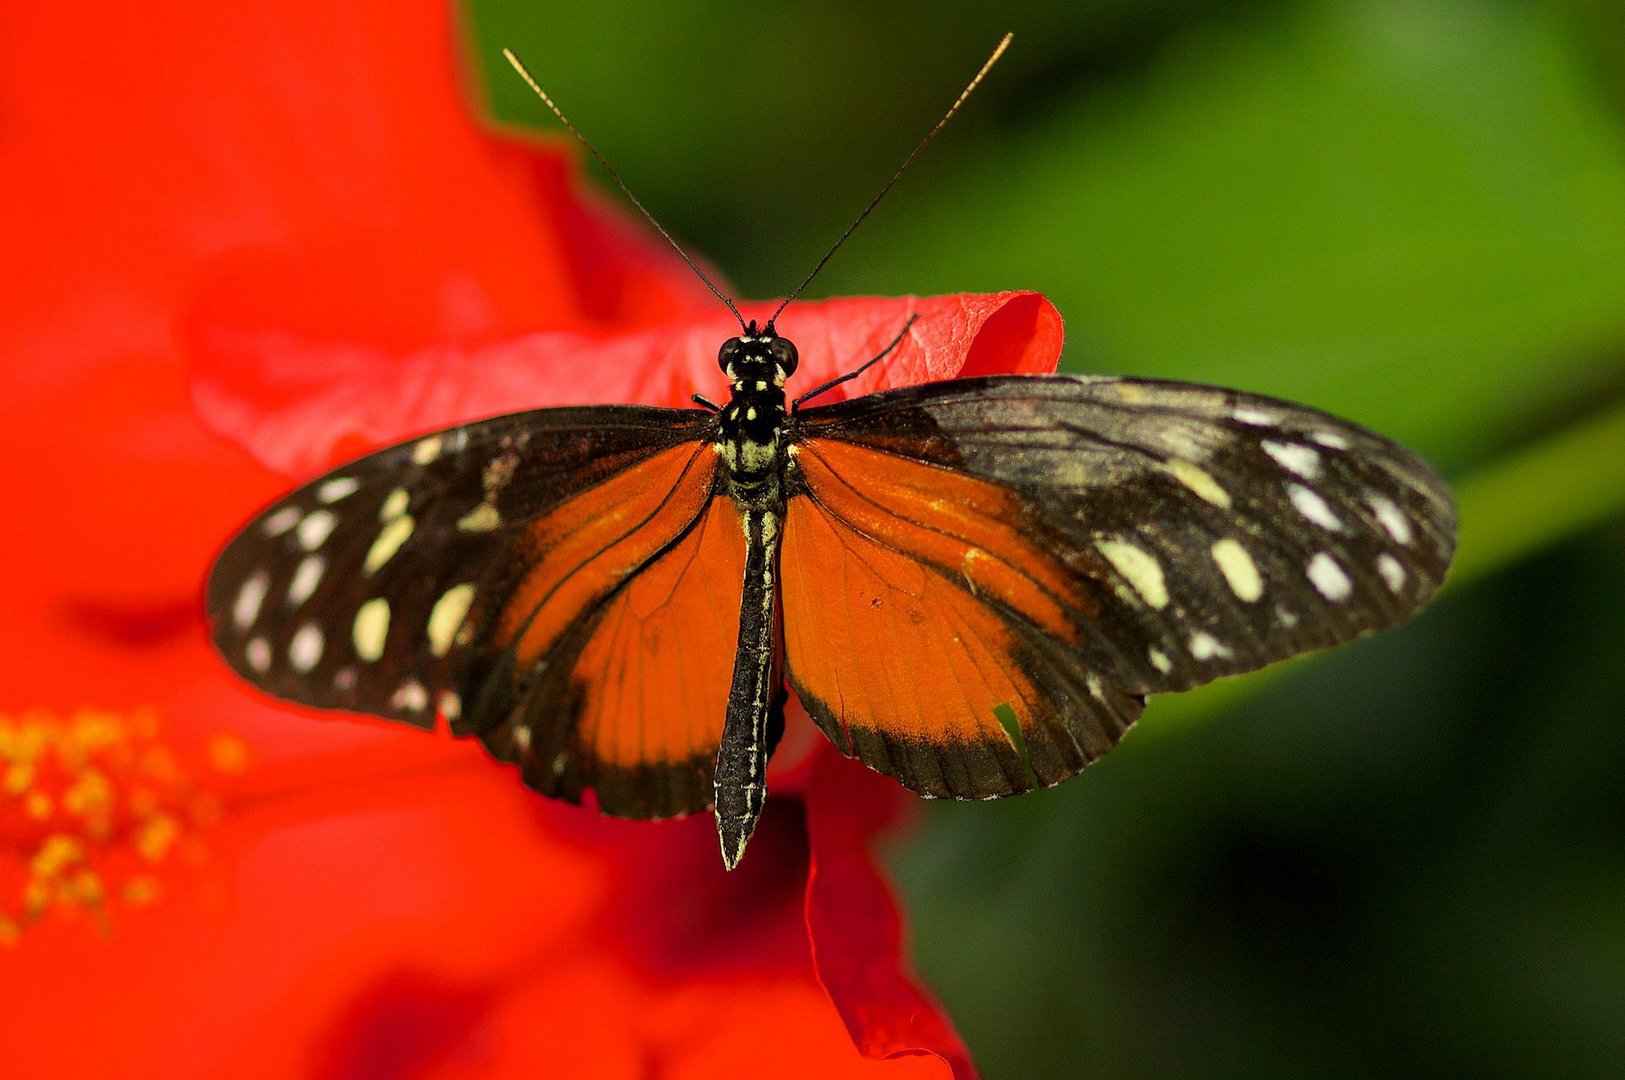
{"x":757,"y":356}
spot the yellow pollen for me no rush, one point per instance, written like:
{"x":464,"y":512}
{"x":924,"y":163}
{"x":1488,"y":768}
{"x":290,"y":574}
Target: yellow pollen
{"x":94,"y":807}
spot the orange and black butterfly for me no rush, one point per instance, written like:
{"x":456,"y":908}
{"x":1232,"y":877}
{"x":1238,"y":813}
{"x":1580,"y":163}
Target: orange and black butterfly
{"x":971,"y":586}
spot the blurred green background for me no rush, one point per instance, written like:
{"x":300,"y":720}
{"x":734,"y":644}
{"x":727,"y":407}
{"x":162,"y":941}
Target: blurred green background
{"x":1404,"y":858}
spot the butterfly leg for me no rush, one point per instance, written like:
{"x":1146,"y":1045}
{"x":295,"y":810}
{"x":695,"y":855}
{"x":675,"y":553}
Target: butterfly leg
{"x":756,"y":699}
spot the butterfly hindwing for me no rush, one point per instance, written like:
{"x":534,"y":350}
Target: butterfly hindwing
{"x":1079,"y":543}
{"x":630,"y":700}
{"x":412,"y":581}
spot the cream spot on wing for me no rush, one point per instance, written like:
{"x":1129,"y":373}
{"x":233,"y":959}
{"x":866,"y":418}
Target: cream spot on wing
{"x":394,"y":505}
{"x":483,"y":518}
{"x":305,"y":578}
{"x":249,"y":598}
{"x":1329,"y":578}
{"x":451,"y":705}
{"x":521,"y":738}
{"x":1331,"y":439}
{"x":316,"y":528}
{"x":371,"y":628}
{"x":1313,"y":507}
{"x":447,"y":616}
{"x":427,"y":450}
{"x":1254,"y":417}
{"x":305,"y":648}
{"x":344,"y":679}
{"x":390,"y":539}
{"x":1392,"y":571}
{"x":280,"y":521}
{"x":340,"y":487}
{"x":1302,"y":460}
{"x":499,"y":472}
{"x":1205,"y":646}
{"x":1096,"y":691}
{"x":1287,"y":618}
{"x":259,"y":655}
{"x":1239,"y":570}
{"x":1389,"y":517}
{"x":1201,"y":482}
{"x":410,"y":696}
{"x":1139,"y":568}
{"x":1159,"y":660}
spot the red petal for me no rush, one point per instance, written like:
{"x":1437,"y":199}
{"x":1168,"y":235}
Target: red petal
{"x":299,"y":405}
{"x":855,"y":927}
{"x":147,"y":142}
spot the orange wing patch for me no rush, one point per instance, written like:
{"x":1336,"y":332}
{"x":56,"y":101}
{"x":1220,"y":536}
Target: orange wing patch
{"x":658,"y":668}
{"x":962,"y":526}
{"x":631,"y":698}
{"x":921,"y":625}
{"x":587,"y":546}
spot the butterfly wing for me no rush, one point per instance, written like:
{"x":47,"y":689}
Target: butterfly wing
{"x":971,"y":561}
{"x":504,"y":575}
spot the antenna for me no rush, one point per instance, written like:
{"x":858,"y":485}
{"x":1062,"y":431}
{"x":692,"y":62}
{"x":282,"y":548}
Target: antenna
{"x":998,"y":51}
{"x":593,"y":150}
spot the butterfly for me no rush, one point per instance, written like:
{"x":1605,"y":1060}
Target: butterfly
{"x":971,"y":586}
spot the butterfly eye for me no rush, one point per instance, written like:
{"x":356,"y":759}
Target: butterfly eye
{"x":784,"y":355}
{"x":726,"y":354}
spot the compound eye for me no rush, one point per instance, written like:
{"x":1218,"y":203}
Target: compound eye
{"x":727,"y":354}
{"x":784,"y":355}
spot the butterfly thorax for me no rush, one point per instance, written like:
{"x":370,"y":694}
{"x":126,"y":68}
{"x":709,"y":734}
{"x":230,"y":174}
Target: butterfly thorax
{"x":750,"y":428}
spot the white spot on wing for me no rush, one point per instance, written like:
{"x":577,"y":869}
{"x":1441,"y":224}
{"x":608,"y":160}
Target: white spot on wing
{"x":1331,"y":439}
{"x":447,"y":616}
{"x":340,"y":487}
{"x":1201,"y":482}
{"x":280,"y":521}
{"x":1329,"y":578}
{"x":1254,"y":417}
{"x":305,"y":578}
{"x":344,"y":679}
{"x":316,"y":528}
{"x":1239,"y":570}
{"x":427,"y":450}
{"x":1313,"y":507}
{"x":410,"y":696}
{"x":371,"y":628}
{"x":305,"y":649}
{"x":390,"y":539}
{"x":1395,"y":523}
{"x":451,"y":705}
{"x":1392,"y":571}
{"x":1159,"y":660}
{"x":394,"y":505}
{"x":258,"y":653}
{"x":1205,"y":646}
{"x":249,"y":598}
{"x":1302,"y":460}
{"x":483,"y":518}
{"x":1139,"y":568}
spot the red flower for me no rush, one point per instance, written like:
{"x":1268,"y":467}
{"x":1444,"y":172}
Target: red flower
{"x":293,"y":201}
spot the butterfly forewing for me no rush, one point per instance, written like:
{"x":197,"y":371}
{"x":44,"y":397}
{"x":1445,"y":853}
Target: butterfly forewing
{"x":1120,"y":537}
{"x":385,"y":586}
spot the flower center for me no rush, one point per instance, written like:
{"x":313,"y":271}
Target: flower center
{"x":93,"y":807}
